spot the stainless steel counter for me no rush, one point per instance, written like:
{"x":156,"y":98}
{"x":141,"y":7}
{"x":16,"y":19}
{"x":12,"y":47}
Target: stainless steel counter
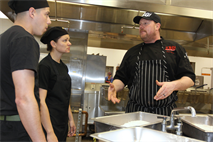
{"x":114,"y":123}
{"x":140,"y":134}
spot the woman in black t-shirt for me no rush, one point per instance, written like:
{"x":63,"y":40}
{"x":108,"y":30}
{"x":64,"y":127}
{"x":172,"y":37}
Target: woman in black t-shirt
{"x":55,"y":87}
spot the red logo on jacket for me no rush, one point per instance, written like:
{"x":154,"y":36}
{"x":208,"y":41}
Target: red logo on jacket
{"x":170,"y":49}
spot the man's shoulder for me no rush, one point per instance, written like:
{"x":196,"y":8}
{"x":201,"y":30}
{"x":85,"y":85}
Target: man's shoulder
{"x":17,"y":32}
{"x":135,"y":48}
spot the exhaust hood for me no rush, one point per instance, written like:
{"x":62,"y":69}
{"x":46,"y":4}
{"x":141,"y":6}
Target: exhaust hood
{"x":110,"y":25}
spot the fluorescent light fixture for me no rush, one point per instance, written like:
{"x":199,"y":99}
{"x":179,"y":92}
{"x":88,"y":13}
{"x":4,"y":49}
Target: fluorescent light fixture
{"x":2,"y":16}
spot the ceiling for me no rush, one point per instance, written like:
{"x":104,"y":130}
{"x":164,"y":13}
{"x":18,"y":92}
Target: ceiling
{"x":110,"y":25}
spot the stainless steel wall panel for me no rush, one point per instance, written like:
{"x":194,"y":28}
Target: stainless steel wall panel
{"x":89,"y":12}
{"x":65,"y":10}
{"x":95,"y":69}
{"x":124,"y":16}
{"x":75,"y":101}
{"x":76,"y":59}
{"x":177,"y":35}
{"x":108,"y":15}
{"x":149,"y":6}
{"x":76,"y":72}
{"x":101,"y":14}
{"x":193,"y":17}
{"x":180,"y":23}
{"x":91,"y":104}
{"x":151,"y":1}
{"x":197,"y":4}
{"x":204,"y":41}
{"x":205,"y":30}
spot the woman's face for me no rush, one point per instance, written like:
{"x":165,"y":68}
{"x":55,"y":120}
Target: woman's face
{"x":63,"y":44}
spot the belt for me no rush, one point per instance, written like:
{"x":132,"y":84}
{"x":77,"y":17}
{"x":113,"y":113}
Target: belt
{"x":10,"y":118}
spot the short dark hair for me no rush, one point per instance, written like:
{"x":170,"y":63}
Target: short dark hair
{"x":49,"y":46}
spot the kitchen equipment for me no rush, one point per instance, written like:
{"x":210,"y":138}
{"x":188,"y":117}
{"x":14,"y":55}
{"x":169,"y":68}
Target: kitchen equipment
{"x":140,"y":134}
{"x":199,"y":127}
{"x":109,"y":106}
{"x":95,"y":101}
{"x":180,"y":95}
{"x":196,"y":95}
{"x":178,"y":127}
{"x":114,"y":122}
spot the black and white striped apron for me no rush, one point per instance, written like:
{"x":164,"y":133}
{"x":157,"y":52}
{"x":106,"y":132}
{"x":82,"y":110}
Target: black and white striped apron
{"x":144,"y":87}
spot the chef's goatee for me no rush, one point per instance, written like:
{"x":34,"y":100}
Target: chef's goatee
{"x":24,"y":5}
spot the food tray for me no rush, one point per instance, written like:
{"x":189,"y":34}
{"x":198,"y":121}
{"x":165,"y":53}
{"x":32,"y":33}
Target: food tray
{"x":192,"y":127}
{"x":114,"y":122}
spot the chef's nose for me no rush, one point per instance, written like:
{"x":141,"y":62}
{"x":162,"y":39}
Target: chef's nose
{"x":69,"y":43}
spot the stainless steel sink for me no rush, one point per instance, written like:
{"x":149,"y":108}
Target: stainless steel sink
{"x":140,"y":134}
{"x":199,"y":127}
{"x":114,"y":122}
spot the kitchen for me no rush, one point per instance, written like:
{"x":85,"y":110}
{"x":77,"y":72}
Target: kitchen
{"x":107,"y":34}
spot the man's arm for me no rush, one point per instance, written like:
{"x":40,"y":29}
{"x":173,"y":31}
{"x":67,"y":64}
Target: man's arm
{"x":114,"y":87}
{"x":168,"y":87}
{"x":24,"y":81}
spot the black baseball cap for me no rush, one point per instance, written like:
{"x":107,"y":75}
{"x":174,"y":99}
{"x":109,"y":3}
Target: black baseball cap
{"x":148,"y":16}
{"x":24,"y":5}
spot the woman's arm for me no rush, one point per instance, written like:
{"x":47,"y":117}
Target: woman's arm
{"x":45,"y":117}
{"x":71,"y":123}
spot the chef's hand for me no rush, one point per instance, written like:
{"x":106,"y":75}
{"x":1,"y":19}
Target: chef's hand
{"x":166,"y":89}
{"x":51,"y":137}
{"x":72,"y":129}
{"x":112,"y":94}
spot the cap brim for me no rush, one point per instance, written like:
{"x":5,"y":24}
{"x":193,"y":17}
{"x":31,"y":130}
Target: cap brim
{"x":137,"y":19}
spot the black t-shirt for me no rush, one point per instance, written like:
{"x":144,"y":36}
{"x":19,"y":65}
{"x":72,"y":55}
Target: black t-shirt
{"x":178,"y":64}
{"x":47,"y":74}
{"x":19,"y":50}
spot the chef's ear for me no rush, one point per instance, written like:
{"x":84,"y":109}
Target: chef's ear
{"x":53,"y":43}
{"x":32,"y":12}
{"x":157,"y":26}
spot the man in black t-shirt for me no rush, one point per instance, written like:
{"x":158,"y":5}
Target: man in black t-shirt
{"x":153,"y":70}
{"x":20,"y":119}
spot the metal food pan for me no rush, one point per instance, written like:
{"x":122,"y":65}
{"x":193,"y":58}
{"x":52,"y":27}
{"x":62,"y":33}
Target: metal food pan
{"x":114,"y":122}
{"x":140,"y":134}
{"x":192,"y":130}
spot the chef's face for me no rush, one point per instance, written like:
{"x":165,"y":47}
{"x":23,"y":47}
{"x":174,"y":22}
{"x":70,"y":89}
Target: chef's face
{"x":147,"y":29}
{"x":63,"y":44}
{"x":41,"y":20}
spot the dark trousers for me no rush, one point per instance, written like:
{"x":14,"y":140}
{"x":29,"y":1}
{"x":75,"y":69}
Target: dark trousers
{"x":13,"y":131}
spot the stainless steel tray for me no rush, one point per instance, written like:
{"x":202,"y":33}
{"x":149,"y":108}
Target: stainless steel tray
{"x":191,"y":129}
{"x":114,"y":122}
{"x":140,"y":134}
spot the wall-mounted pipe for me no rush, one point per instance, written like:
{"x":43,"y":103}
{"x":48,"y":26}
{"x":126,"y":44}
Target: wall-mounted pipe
{"x":207,"y":45}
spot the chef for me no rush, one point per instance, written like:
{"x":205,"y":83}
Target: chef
{"x":108,"y":78}
{"x":55,"y":87}
{"x":19,"y":55}
{"x":154,"y":70}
